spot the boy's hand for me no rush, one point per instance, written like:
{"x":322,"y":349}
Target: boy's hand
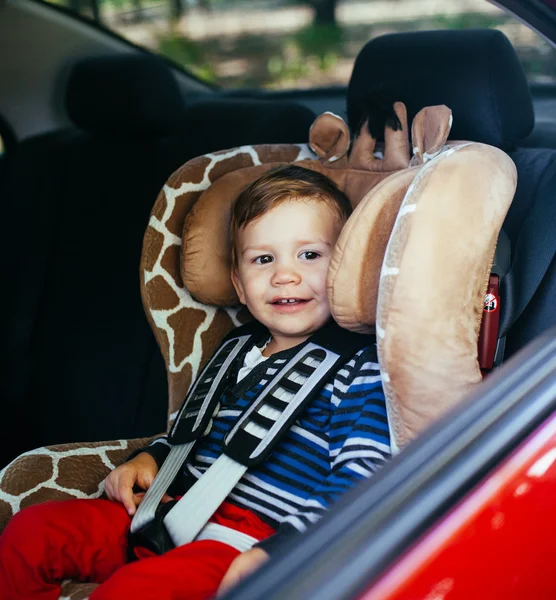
{"x":243,"y":565}
{"x":139,"y":471}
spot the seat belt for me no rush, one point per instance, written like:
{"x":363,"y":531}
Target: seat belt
{"x":194,"y":420}
{"x":253,"y":437}
{"x":534,"y":252}
{"x":489,"y":342}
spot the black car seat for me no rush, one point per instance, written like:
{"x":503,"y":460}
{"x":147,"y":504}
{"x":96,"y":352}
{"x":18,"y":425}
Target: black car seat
{"x":478,"y":75}
{"x":8,"y":143}
{"x":80,"y":360}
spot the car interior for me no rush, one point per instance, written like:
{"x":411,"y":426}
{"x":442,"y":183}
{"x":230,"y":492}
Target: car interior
{"x":101,"y":127}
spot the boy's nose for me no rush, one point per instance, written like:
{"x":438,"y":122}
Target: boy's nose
{"x":285,"y":274}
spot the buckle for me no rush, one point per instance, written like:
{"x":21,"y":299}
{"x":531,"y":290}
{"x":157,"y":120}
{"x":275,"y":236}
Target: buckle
{"x":153,"y":536}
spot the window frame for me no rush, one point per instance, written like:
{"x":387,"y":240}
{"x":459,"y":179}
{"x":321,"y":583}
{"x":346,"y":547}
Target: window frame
{"x":100,"y":28}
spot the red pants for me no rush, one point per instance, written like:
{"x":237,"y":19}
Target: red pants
{"x":87,"y":540}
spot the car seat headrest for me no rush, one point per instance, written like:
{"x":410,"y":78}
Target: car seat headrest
{"x":418,"y":235}
{"x":474,"y":72}
{"x":230,"y":122}
{"x":206,"y":270}
{"x":133,"y":95}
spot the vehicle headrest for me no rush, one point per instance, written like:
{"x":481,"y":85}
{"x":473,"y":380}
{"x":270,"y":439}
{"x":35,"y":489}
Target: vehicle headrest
{"x":134,"y":95}
{"x":229,"y":122}
{"x":474,"y":72}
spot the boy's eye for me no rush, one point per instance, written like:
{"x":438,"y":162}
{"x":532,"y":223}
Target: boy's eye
{"x":263,"y":260}
{"x":309,"y":255}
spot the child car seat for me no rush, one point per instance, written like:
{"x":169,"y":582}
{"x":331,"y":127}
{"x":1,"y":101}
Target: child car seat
{"x":395,"y":238}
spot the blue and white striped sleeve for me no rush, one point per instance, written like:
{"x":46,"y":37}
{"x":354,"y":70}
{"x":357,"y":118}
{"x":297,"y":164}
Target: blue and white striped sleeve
{"x":359,"y":440}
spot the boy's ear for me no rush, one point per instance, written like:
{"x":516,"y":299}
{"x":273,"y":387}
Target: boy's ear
{"x":237,"y":285}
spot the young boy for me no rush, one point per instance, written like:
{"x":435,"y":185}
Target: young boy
{"x":283,"y":231}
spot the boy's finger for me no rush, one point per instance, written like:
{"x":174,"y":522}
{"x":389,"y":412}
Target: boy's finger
{"x":111,"y":488}
{"x":126,"y":498}
{"x":108,"y":488}
{"x":145,"y":481}
{"x":138,"y":497}
{"x":125,"y":488}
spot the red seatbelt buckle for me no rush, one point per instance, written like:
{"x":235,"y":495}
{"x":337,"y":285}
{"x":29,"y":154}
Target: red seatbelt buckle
{"x":488,"y":335}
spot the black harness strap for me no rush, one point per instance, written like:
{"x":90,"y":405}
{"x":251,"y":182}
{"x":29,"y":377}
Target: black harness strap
{"x":202,"y":401}
{"x":262,"y":424}
{"x":259,"y":427}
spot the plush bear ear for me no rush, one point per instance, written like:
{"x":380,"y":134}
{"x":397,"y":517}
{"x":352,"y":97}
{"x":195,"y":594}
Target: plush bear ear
{"x":429,"y":132}
{"x":329,"y":138}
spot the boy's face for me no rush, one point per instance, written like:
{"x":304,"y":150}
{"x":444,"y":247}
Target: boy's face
{"x":282,"y":262}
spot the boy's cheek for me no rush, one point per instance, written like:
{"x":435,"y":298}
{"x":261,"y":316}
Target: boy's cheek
{"x":237,"y":282}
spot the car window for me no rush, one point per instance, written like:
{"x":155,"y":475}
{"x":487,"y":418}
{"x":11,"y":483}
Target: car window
{"x":295,"y":43}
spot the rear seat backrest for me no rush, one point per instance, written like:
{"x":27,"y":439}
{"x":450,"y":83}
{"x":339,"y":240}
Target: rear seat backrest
{"x":82,"y":363}
{"x":8,"y":143}
{"x":478,"y":75}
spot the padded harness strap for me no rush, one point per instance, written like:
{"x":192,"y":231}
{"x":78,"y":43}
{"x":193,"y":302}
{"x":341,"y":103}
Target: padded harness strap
{"x":254,"y":436}
{"x":193,"y":421}
{"x":219,"y":533}
{"x":195,"y":417}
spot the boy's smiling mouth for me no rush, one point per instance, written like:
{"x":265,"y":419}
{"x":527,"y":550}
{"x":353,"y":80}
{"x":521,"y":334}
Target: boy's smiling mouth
{"x":288,"y":302}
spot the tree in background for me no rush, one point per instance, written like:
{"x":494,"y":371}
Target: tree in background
{"x":325,"y":11}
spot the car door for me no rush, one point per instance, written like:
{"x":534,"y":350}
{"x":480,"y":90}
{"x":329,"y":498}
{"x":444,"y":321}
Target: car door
{"x":466,"y":511}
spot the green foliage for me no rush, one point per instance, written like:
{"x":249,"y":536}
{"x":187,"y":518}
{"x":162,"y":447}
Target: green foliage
{"x":320,"y":41}
{"x":470,"y":20}
{"x":186,"y":53}
{"x":314,"y":55}
{"x":310,"y":50}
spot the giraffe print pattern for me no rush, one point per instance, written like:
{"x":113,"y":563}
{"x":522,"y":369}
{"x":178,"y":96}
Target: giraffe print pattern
{"x":187,"y":331}
{"x":59,"y":472}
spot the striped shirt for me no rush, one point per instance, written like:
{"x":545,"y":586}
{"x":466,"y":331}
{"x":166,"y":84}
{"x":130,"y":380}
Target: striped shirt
{"x":342,"y":436}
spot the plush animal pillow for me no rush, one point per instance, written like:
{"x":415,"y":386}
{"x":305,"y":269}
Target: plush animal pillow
{"x":411,"y":263}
